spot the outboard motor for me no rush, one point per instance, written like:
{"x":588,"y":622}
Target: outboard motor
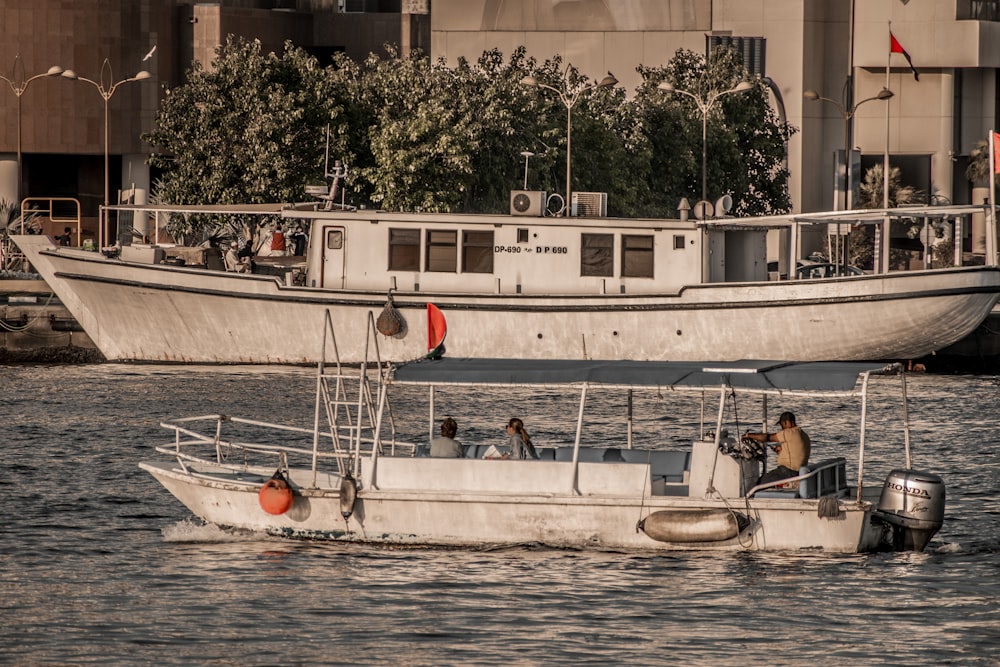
{"x":912,"y":504}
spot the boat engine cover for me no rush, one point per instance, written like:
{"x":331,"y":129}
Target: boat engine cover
{"x":913,"y":499}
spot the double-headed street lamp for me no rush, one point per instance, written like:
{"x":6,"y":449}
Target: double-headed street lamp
{"x":847,"y":113}
{"x":570,"y":100}
{"x":18,"y":83}
{"x":704,"y":106}
{"x":106,"y":88}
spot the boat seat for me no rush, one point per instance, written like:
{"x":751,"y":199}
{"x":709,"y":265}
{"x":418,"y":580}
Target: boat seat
{"x":829,"y":478}
{"x":587,"y":454}
{"x":666,"y":465}
{"x":823,"y":478}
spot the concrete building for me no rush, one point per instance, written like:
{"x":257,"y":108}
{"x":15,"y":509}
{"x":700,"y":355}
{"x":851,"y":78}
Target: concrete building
{"x":799,"y":44}
{"x":61,"y":122}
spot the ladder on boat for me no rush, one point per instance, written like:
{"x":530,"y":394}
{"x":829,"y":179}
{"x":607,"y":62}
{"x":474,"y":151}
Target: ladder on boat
{"x":351,"y":399}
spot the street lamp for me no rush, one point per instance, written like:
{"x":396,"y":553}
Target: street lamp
{"x":570,"y":100}
{"x":18,"y":84}
{"x":704,"y":106}
{"x":106,"y":88}
{"x":847,"y":113}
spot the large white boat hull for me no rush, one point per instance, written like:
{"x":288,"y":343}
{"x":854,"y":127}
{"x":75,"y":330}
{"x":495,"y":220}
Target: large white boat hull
{"x":158,"y":313}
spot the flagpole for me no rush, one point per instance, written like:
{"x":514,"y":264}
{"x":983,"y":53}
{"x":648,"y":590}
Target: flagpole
{"x":883,"y":244}
{"x":991,"y":226}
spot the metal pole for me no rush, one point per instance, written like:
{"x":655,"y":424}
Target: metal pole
{"x":569,"y":129}
{"x":704,"y":152}
{"x":20,"y":171}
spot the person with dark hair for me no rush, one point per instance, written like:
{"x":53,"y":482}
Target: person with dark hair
{"x":66,"y":238}
{"x":793,"y":449}
{"x":446,"y":447}
{"x":520,"y":441}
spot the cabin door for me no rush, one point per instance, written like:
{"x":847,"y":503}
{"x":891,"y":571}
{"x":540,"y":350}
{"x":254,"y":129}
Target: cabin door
{"x":333,"y":258}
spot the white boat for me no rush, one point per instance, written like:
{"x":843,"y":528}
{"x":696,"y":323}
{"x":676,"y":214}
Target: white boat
{"x":351,"y":480}
{"x":515,"y":287}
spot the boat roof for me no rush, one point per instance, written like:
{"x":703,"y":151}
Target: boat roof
{"x":753,"y":375}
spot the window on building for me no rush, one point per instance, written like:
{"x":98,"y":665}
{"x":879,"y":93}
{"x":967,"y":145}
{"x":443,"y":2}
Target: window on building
{"x":637,"y":256}
{"x":597,"y":254}
{"x":477,"y":252}
{"x":442,"y":250}
{"x":751,"y":49}
{"x":404,"y":249}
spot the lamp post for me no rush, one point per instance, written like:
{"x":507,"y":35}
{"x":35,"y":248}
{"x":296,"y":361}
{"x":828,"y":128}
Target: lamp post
{"x":106,"y":87}
{"x":847,"y":113}
{"x":704,"y":106}
{"x":18,"y":83}
{"x":570,"y":100}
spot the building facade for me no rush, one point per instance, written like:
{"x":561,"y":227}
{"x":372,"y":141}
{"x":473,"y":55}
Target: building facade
{"x":799,"y":45}
{"x":837,"y":48}
{"x":59,"y":123}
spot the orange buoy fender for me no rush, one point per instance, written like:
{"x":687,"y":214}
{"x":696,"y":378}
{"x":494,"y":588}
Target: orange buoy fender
{"x":276,"y":495}
{"x":348,"y":496}
{"x":685,"y":526}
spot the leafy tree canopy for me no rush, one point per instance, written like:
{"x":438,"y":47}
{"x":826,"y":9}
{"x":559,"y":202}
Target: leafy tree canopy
{"x":422,"y":136}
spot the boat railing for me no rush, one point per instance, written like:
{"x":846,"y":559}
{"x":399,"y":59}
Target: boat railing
{"x":829,"y":478}
{"x":191,"y":445}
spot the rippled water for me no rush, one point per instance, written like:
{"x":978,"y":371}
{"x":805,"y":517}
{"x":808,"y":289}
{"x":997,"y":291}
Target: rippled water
{"x":100,"y":565}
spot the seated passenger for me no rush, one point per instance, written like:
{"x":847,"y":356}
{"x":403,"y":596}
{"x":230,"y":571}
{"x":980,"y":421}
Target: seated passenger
{"x":793,"y":449}
{"x":234,"y":263}
{"x":518,"y":444}
{"x":446,"y":447}
{"x":519,"y":440}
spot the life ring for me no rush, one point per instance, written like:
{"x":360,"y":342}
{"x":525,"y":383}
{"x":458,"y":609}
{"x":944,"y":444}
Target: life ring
{"x":276,"y":495}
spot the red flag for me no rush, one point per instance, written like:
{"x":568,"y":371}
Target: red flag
{"x":896,"y":47}
{"x":996,"y":152}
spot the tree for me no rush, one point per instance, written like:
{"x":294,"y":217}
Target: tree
{"x":418,"y":136}
{"x":746,"y":143}
{"x":862,"y":239}
{"x":601,"y":126}
{"x":248,"y":131}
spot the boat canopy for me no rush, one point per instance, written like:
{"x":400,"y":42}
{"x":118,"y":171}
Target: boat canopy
{"x":748,"y":375}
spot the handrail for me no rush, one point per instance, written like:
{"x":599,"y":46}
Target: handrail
{"x":832,"y":463}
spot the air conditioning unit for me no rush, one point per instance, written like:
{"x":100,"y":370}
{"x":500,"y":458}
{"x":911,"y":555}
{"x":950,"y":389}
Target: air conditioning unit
{"x":590,"y":204}
{"x":527,"y":202}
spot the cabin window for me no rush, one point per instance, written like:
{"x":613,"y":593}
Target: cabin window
{"x":404,"y":249}
{"x":442,"y":250}
{"x":477,"y":252}
{"x":522,"y":234}
{"x":637,"y":256}
{"x":678,"y":242}
{"x":597,"y":254}
{"x":335,"y":239}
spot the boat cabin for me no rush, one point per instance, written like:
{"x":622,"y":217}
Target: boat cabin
{"x":501,"y":254}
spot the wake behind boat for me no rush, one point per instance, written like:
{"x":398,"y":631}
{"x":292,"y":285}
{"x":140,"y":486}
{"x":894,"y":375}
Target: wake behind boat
{"x":351,"y":480}
{"x":515,"y":286}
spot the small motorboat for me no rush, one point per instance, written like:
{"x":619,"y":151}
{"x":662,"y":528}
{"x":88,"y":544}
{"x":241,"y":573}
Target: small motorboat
{"x":348,"y":477}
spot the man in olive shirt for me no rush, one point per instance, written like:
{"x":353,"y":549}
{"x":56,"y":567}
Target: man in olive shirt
{"x":793,"y":449}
